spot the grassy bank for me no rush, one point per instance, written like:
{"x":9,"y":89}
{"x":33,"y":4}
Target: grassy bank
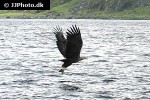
{"x":84,"y":9}
{"x":138,"y":13}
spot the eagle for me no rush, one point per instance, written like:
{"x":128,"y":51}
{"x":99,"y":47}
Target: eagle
{"x":70,"y":46}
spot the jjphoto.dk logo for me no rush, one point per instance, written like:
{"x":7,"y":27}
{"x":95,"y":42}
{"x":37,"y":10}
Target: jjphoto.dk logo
{"x":25,"y":5}
{"x":6,"y":5}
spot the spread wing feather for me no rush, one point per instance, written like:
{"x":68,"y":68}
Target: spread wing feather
{"x":61,"y":41}
{"x":74,"y":43}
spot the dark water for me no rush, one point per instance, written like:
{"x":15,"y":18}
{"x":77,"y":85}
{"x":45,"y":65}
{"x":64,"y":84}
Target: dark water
{"x":118,"y":64}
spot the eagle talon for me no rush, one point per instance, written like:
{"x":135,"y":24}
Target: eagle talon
{"x":62,"y":70}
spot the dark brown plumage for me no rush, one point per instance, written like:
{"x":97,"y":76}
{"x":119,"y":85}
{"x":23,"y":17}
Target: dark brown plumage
{"x":70,"y":48}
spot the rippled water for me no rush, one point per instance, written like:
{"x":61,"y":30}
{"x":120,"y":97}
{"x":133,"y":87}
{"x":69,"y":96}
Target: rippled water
{"x":118,"y":64}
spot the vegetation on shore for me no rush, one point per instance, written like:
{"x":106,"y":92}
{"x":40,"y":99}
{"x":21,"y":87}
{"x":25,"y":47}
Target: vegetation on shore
{"x":87,"y":9}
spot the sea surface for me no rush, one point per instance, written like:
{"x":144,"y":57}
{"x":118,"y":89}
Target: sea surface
{"x":117,"y":65}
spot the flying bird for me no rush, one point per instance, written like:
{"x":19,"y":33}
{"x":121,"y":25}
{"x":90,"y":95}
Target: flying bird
{"x":69,"y":47}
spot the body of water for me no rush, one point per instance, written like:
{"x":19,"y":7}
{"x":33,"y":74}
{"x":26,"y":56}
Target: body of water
{"x":118,"y":64}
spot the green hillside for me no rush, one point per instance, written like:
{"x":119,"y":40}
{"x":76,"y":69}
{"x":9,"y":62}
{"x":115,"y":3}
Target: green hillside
{"x":102,"y":9}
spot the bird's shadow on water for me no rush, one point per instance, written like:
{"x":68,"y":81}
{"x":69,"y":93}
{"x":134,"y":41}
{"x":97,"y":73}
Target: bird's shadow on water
{"x":69,"y":87}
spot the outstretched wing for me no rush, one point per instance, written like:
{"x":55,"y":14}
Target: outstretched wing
{"x":61,"y":41}
{"x":74,"y":43}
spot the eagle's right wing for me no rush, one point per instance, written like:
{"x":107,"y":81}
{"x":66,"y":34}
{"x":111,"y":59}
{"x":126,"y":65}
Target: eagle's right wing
{"x":74,"y":43}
